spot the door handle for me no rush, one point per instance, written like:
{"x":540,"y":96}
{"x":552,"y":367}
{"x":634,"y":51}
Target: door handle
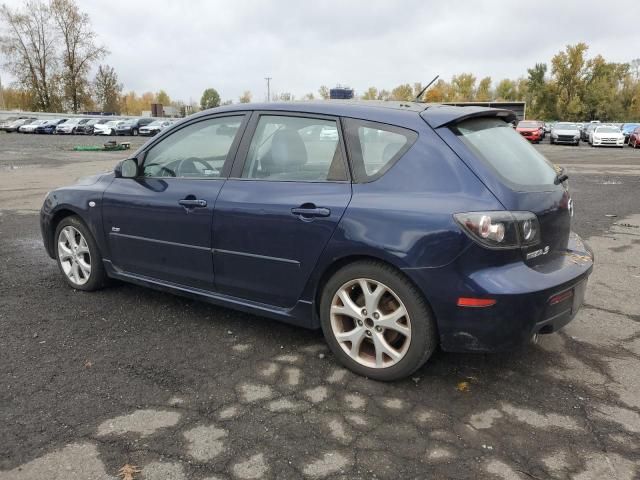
{"x":311,"y":211}
{"x":192,"y":203}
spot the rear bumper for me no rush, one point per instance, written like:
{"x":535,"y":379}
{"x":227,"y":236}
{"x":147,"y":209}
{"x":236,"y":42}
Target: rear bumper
{"x":526,"y":299}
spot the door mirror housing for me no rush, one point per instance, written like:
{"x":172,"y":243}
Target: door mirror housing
{"x":127,"y":168}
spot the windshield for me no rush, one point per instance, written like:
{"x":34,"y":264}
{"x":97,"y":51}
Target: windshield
{"x":607,"y":130}
{"x":566,"y":126}
{"x":156,"y":123}
{"x":511,"y":156}
{"x":528,"y":125}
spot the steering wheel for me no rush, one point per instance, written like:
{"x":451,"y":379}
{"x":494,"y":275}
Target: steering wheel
{"x":168,"y":171}
{"x":192,"y":162}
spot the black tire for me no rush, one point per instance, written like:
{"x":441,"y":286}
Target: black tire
{"x":98,"y":276}
{"x":424,"y":337}
{"x":112,"y":133}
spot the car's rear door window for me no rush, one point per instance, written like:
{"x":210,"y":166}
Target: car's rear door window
{"x":295,"y":148}
{"x":375,"y":147}
{"x":511,"y":157}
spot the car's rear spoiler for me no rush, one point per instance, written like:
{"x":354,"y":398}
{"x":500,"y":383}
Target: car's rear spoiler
{"x":440,"y":115}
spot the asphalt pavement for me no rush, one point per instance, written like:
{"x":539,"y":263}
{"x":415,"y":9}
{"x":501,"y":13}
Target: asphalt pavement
{"x":94,"y":382}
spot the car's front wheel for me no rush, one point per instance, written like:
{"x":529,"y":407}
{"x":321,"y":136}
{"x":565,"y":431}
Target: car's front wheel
{"x":376,"y":322}
{"x":78,"y":256}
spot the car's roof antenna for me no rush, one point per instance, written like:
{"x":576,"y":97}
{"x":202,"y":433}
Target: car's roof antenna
{"x":419,"y":96}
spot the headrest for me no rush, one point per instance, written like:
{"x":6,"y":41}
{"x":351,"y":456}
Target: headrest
{"x":287,"y":149}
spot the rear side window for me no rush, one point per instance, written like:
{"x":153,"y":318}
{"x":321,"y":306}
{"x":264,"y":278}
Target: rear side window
{"x":511,"y":156}
{"x":375,"y":147}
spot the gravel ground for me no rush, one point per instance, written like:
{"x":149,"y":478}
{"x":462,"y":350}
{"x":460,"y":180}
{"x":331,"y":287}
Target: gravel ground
{"x":90,"y":382}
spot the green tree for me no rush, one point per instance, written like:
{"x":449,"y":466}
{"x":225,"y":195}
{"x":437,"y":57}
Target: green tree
{"x":506,"y":90}
{"x":370,"y":93}
{"x":483,"y":92}
{"x":210,"y":99}
{"x":107,"y":89}
{"x":568,"y":69}
{"x":163,"y":98}
{"x":402,"y":93}
{"x":464,"y":86}
{"x":323,"y":91}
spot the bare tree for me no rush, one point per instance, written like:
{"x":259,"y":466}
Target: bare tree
{"x":107,"y":89}
{"x":80,"y":50}
{"x":29,"y":48}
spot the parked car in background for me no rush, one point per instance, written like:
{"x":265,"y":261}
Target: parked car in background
{"x":531,"y":130}
{"x":634,"y":138}
{"x":69,"y":127}
{"x":31,"y":127}
{"x":16,"y":124}
{"x":607,"y":136}
{"x":585,"y":133}
{"x":87,"y":127}
{"x":7,"y":121}
{"x":627,"y":129}
{"x":548,"y":126}
{"x":49,"y":127}
{"x":132,"y":126}
{"x":107,"y":128}
{"x":390,"y":251}
{"x":565,"y":132}
{"x":154,"y":127}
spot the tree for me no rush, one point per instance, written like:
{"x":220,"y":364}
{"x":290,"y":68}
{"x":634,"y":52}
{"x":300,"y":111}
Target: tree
{"x":464,"y":86}
{"x":210,"y":99}
{"x":370,"y":94}
{"x":80,"y":50}
{"x":568,"y":71}
{"x":245,"y":97}
{"x":402,"y":93}
{"x":163,"y":98}
{"x":483,"y":93}
{"x":506,"y":90}
{"x":309,"y":96}
{"x":440,"y":91}
{"x":323,"y":91}
{"x":107,"y":89}
{"x":29,"y":49}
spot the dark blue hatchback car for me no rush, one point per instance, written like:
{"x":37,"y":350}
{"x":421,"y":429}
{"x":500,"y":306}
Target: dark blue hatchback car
{"x":394,"y":227}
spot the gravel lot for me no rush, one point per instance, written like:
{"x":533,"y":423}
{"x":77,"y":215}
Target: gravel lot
{"x":90,"y":382}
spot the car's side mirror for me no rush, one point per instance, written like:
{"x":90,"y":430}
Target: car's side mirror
{"x":127,"y":168}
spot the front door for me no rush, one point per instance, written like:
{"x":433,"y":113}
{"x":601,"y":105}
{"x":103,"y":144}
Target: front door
{"x":159,"y":224}
{"x":274,"y":219}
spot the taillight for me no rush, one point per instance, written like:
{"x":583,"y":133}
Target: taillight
{"x":501,"y":229}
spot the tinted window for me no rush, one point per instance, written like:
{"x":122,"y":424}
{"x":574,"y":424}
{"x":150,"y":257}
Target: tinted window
{"x":375,"y":147}
{"x":295,"y":149}
{"x":512,"y":157}
{"x":198,"y":150}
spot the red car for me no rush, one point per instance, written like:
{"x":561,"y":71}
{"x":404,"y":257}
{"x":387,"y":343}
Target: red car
{"x":634,"y":138}
{"x":532,"y":130}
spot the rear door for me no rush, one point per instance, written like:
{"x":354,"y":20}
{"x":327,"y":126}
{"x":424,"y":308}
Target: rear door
{"x":519,"y":176}
{"x":288,"y":190}
{"x":159,"y":224}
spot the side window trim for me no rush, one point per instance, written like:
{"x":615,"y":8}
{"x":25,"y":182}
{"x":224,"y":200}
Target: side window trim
{"x":252,"y":125}
{"x":233,"y":149}
{"x":356,"y":158}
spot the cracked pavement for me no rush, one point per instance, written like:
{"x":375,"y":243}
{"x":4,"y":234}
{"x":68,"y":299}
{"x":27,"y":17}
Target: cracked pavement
{"x":185,"y":390}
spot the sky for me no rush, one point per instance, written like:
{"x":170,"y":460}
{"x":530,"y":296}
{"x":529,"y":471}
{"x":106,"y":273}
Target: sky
{"x":184,"y":46}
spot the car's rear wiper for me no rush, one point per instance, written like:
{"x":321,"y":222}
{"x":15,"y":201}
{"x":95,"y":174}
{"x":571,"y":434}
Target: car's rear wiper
{"x":561,"y":177}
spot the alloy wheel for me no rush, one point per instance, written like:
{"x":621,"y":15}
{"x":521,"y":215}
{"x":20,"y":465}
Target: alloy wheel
{"x":74,"y":255}
{"x":370,"y":323}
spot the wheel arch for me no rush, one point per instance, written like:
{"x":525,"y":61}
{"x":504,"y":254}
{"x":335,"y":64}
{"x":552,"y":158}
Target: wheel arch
{"x":342,"y":262}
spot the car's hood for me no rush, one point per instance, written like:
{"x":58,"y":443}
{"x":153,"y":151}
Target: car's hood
{"x":607,"y":134}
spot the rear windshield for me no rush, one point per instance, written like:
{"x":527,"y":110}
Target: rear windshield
{"x":528,"y":125}
{"x":510,"y":155}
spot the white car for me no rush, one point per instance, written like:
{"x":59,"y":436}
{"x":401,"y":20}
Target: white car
{"x":154,"y":127}
{"x":606,"y":135}
{"x":329,"y":134}
{"x":69,"y":127}
{"x":565,"y":132}
{"x":108,"y":128}
{"x":31,"y":127}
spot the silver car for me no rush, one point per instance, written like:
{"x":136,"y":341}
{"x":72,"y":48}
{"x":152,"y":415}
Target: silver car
{"x":565,"y":132}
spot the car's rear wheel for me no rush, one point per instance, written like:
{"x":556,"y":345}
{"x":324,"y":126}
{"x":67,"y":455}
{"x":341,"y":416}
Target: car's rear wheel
{"x":376,"y":322}
{"x":78,"y":256}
